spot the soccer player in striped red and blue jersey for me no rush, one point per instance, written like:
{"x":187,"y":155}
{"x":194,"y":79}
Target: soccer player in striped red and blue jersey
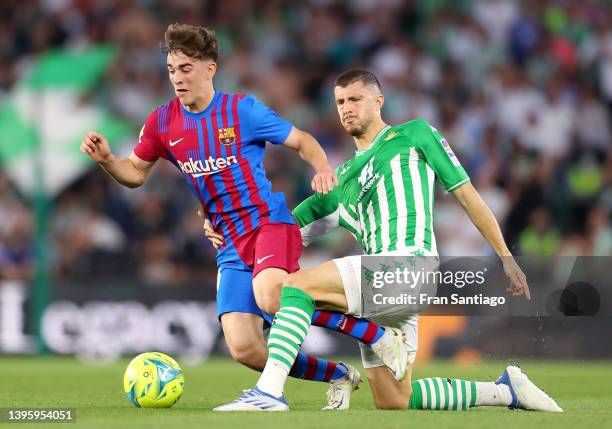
{"x":217,"y":140}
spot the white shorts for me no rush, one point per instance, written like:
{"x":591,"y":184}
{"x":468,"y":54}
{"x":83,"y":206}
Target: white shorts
{"x":350,"y":272}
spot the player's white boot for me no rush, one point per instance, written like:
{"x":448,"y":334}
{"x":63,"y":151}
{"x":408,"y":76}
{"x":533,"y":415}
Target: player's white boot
{"x":255,"y":400}
{"x":392,"y":349}
{"x":525,"y":394}
{"x":339,"y":392}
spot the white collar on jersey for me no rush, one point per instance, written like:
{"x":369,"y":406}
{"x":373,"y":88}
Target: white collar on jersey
{"x":374,"y":141}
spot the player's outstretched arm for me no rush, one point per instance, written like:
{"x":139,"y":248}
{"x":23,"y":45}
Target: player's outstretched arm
{"x":311,"y":151}
{"x":130,"y":172}
{"x":483,"y":219}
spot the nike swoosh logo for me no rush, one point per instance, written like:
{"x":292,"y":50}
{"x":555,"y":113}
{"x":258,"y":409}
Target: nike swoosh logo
{"x":172,"y":143}
{"x":260,"y":260}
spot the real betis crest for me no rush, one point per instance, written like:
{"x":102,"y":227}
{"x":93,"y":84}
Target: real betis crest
{"x":390,"y":135}
{"x":227,"y":136}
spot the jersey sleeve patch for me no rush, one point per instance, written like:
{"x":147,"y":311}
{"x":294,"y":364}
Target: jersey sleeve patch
{"x":449,"y":152}
{"x":439,"y":155}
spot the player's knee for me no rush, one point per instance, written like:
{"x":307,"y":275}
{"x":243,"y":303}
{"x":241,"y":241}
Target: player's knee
{"x":267,"y":295}
{"x":268,"y":299}
{"x":269,"y":304}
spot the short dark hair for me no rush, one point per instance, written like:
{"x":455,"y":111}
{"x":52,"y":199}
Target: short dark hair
{"x":193,"y":41}
{"x":361,"y":75}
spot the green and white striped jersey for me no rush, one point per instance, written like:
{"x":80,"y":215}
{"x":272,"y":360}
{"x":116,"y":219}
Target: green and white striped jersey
{"x":385,"y":195}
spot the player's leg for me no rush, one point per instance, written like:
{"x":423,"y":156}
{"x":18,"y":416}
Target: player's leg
{"x":432,"y":393}
{"x":345,"y":275}
{"x":293,"y":320}
{"x":387,"y":392}
{"x":273,"y":250}
{"x":289,"y":353}
{"x":267,"y":285}
{"x":241,"y":319}
{"x":362,"y":330}
{"x":324,"y":284}
{"x":276,"y":252}
{"x":245,"y":341}
{"x":290,"y":327}
{"x":242,"y":323}
{"x":289,"y":330}
{"x":512,"y":389}
{"x":243,"y":334}
{"x":438,"y":393}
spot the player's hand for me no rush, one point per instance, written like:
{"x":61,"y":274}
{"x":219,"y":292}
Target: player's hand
{"x":96,"y":146}
{"x":324,"y":181}
{"x":518,"y":280}
{"x":215,"y":238}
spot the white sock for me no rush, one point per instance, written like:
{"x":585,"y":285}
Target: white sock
{"x":273,"y":378}
{"x":489,"y":393}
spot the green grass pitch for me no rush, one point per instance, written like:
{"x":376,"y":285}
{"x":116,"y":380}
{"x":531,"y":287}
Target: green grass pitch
{"x":581,"y":388}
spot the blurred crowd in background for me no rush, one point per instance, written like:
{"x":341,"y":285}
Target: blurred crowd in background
{"x":522,"y":90}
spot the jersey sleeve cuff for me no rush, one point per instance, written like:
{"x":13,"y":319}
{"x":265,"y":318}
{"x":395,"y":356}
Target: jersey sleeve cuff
{"x":455,"y":186}
{"x":286,"y":134}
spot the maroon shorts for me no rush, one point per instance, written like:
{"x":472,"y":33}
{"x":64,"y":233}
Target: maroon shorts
{"x":272,"y":245}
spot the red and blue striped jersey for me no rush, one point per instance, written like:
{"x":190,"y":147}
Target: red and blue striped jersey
{"x":220,"y":152}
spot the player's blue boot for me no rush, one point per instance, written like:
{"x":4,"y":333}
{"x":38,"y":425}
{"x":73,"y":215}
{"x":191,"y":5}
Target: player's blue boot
{"x":525,"y":394}
{"x":255,"y":400}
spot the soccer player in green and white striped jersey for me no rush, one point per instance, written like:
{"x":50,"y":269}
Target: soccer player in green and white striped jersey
{"x":385,"y":196}
{"x":385,"y":199}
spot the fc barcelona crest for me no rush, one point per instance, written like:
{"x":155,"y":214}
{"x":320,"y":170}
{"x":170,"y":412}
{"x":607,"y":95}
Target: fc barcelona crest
{"x":227,"y":136}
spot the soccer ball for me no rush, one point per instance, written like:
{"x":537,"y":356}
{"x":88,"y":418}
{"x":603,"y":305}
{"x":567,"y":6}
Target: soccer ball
{"x":153,"y":380}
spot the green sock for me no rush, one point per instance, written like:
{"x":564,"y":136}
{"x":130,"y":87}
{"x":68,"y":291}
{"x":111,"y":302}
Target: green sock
{"x":442,"y":394}
{"x":288,"y":331}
